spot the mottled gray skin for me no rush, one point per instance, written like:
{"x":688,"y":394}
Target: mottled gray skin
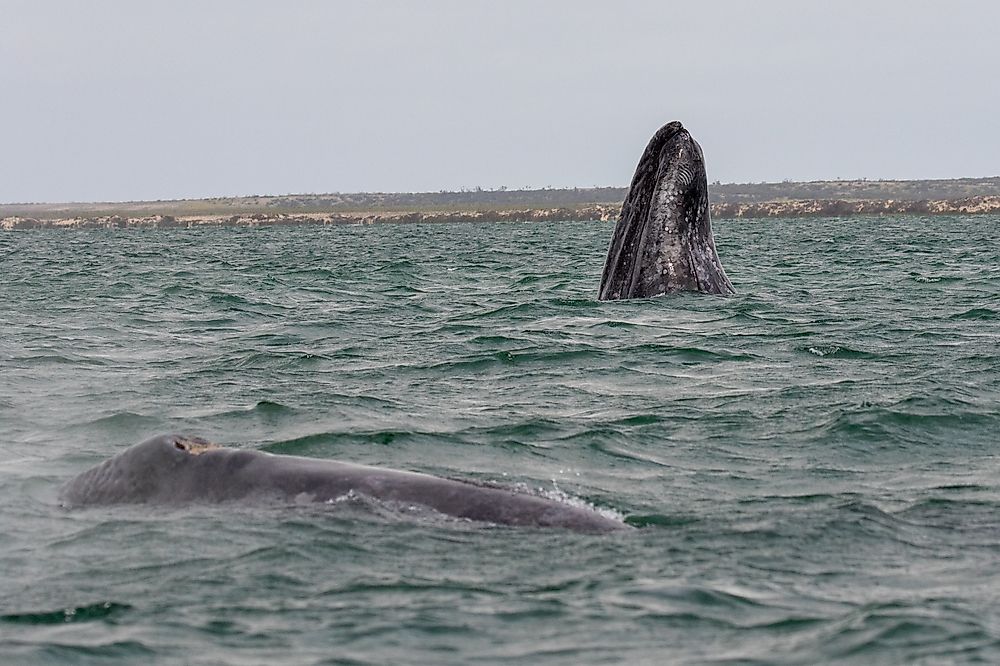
{"x":170,"y":470}
{"x":663,"y":241}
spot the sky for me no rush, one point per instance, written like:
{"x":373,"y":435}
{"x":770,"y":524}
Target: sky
{"x":120,"y":100}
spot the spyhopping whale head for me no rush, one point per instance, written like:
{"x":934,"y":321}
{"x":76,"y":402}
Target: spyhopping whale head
{"x":663,"y":241}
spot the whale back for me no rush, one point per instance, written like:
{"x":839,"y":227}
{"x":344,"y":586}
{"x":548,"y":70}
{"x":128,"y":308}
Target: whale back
{"x":173,"y":469}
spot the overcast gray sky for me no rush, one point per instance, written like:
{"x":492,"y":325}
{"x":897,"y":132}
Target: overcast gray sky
{"x":120,"y":100}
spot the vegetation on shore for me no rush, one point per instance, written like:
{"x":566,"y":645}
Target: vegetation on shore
{"x":749,"y":200}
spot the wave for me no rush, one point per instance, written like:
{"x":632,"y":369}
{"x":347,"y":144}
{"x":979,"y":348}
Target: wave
{"x":61,"y":359}
{"x":838,"y":352}
{"x":933,"y":279}
{"x":402,"y":265}
{"x":977,"y":313}
{"x":615,"y":323}
{"x":900,"y":632}
{"x":659,"y":520}
{"x":86,"y":613}
{"x":265,"y":410}
{"x":528,"y":430}
{"x":125,"y":421}
{"x":514,"y":357}
{"x":686,"y":354}
{"x":286,"y":359}
{"x":913,"y":422}
{"x":498,"y":340}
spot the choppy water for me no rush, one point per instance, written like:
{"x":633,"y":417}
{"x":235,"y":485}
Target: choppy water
{"x":812,"y":464}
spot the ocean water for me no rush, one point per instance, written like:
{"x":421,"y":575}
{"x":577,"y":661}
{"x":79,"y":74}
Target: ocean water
{"x":811,"y":466}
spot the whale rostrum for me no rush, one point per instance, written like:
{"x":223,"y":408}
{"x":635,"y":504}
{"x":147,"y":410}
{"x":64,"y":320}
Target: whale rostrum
{"x":663,"y":241}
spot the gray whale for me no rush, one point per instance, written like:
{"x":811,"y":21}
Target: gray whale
{"x":663,"y":241}
{"x":174,"y":469}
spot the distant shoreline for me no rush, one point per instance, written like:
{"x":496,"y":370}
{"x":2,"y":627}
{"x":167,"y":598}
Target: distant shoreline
{"x":592,"y":212}
{"x":964,"y":196}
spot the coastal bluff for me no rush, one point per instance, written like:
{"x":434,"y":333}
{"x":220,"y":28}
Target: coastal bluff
{"x":786,"y":199}
{"x":599,"y":212}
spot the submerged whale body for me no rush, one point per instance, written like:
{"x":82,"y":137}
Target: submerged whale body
{"x":173,"y":469}
{"x":663,"y":241}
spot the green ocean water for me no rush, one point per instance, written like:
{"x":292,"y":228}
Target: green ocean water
{"x":811,"y":466}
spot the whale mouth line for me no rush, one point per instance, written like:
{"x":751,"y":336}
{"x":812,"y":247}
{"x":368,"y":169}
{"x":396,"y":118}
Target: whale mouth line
{"x":194,"y":446}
